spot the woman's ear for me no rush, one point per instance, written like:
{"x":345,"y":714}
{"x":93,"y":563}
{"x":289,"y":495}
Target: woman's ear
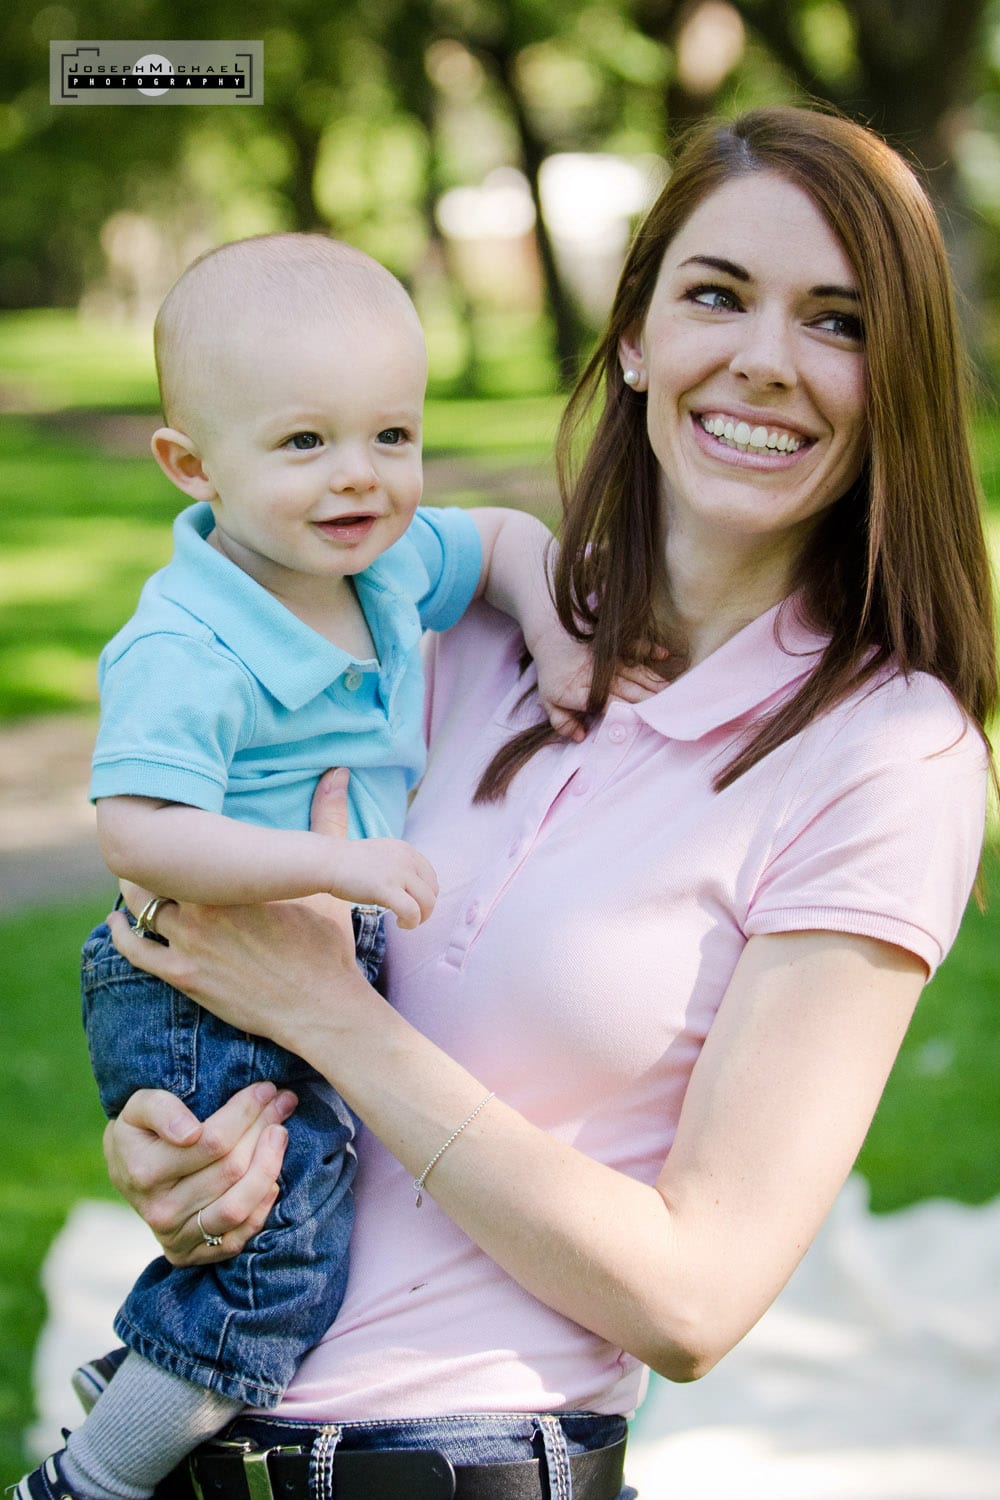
{"x":180,"y":460}
{"x":632,"y":359}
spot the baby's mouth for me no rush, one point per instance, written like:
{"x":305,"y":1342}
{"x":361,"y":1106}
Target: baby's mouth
{"x":355,"y":524}
{"x":352,"y":518}
{"x":732,"y":432}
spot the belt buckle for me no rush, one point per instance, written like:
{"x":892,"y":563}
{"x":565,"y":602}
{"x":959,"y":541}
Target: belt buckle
{"x":255,"y":1469}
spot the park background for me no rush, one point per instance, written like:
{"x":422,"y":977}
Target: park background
{"x":495,"y":154}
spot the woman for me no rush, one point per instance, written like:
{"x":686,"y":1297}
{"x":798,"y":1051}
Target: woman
{"x":631,"y":1058}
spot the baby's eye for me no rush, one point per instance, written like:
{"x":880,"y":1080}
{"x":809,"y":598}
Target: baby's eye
{"x":716,"y":298}
{"x":844,"y":325}
{"x":304,"y":442}
{"x":391,"y":437}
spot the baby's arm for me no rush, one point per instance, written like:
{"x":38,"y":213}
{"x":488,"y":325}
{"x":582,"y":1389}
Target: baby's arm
{"x":515,"y":578}
{"x":192,"y":855}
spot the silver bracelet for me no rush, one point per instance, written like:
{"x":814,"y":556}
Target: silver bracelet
{"x":418,"y":1182}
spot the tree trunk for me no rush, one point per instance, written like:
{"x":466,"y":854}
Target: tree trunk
{"x":568,"y":329}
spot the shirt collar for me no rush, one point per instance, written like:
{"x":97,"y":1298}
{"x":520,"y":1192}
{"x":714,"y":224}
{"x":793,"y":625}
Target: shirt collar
{"x":759,"y":663}
{"x":292,"y":661}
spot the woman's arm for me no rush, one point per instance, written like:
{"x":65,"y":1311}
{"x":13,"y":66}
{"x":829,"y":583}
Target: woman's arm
{"x":515,"y":579}
{"x":676,"y":1273}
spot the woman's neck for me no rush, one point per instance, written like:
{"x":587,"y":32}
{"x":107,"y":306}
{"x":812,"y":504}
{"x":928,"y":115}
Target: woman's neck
{"x":715,"y":593}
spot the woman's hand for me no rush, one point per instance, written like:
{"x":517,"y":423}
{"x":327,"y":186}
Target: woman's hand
{"x":169,"y":1166}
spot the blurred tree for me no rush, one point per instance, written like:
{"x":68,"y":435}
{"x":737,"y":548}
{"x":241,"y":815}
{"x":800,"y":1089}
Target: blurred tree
{"x":229,"y":170}
{"x":503,"y":33}
{"x":373,"y":112}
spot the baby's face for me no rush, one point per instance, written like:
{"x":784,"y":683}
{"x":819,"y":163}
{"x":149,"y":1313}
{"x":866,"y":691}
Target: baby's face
{"x":312,"y":440}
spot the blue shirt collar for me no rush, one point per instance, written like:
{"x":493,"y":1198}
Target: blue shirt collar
{"x":290,"y":659}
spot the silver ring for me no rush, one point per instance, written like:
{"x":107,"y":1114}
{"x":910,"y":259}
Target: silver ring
{"x":145,"y":921}
{"x":210,"y":1239}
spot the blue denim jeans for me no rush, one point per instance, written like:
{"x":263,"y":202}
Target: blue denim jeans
{"x":492,"y":1437}
{"x":240,"y":1327}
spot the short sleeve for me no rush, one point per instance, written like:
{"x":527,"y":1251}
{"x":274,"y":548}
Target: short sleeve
{"x":448,"y":544}
{"x":887,"y":844}
{"x":174,"y":711}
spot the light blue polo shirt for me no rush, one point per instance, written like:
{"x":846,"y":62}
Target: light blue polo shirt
{"x":216,"y":695}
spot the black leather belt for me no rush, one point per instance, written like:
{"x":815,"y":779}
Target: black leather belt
{"x":241,"y":1471}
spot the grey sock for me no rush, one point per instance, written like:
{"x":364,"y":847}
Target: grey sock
{"x":144,"y":1424}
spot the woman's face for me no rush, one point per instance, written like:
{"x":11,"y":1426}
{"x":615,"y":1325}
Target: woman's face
{"x":753,"y":361}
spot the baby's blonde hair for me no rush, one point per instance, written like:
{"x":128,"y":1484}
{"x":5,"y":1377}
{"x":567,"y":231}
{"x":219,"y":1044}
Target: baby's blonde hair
{"x":252,"y":287}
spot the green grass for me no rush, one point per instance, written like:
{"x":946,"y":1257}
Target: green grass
{"x":52,"y":1137}
{"x":79,"y":534}
{"x":50,"y":360}
{"x":53,"y":360}
{"x":937,"y":1131}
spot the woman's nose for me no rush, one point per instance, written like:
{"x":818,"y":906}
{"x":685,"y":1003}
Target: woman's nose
{"x":765,"y":353}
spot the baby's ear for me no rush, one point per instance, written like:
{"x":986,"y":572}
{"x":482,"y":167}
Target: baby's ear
{"x":180,"y":460}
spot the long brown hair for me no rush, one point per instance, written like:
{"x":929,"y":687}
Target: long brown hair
{"x":897,"y":569}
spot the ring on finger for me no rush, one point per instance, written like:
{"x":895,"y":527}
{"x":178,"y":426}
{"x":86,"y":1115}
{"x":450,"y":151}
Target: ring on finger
{"x":145,"y":922}
{"x":210,"y":1239}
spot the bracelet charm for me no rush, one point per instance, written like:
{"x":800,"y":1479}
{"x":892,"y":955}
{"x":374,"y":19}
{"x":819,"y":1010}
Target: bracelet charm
{"x":418,"y":1182}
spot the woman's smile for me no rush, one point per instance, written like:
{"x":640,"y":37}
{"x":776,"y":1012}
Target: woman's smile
{"x":731,"y":439}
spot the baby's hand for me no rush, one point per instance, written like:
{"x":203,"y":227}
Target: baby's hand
{"x":565,"y":668}
{"x":384,"y":872}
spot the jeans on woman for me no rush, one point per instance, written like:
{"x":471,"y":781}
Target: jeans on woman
{"x":480,"y":1438}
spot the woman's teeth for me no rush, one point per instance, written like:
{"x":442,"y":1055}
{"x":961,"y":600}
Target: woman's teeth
{"x":742,"y":435}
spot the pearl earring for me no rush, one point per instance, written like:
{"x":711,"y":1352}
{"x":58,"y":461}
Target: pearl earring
{"x":631,"y":377}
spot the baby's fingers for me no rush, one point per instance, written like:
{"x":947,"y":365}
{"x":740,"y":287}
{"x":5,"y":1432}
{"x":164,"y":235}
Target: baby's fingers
{"x":414,"y":903}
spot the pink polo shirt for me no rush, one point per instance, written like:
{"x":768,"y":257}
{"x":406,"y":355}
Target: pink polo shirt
{"x":585,"y":933}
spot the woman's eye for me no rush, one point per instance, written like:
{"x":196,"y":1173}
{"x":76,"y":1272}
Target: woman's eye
{"x":844,"y":325}
{"x":304,"y":442}
{"x":716,"y":298}
{"x":391,"y":437}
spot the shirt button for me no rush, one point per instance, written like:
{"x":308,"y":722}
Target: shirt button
{"x":617,"y":734}
{"x":471,"y":913}
{"x":581,"y":785}
{"x":353,"y":679}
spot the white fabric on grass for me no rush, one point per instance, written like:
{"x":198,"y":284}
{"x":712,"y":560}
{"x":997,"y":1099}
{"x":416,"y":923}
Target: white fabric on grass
{"x":875,"y":1376}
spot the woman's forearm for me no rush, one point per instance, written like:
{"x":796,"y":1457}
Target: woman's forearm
{"x":581,"y":1237}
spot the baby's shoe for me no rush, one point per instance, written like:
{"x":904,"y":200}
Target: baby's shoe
{"x":92,"y":1379}
{"x":45,"y":1483}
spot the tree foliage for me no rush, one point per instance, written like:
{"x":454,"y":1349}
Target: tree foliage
{"x":372,"y":112}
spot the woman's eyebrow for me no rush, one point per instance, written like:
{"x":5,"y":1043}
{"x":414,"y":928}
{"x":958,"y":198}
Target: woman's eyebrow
{"x":718,"y":264}
{"x":848,"y":293}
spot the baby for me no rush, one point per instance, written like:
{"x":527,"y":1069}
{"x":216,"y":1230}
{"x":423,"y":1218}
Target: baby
{"x":283,"y":638}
